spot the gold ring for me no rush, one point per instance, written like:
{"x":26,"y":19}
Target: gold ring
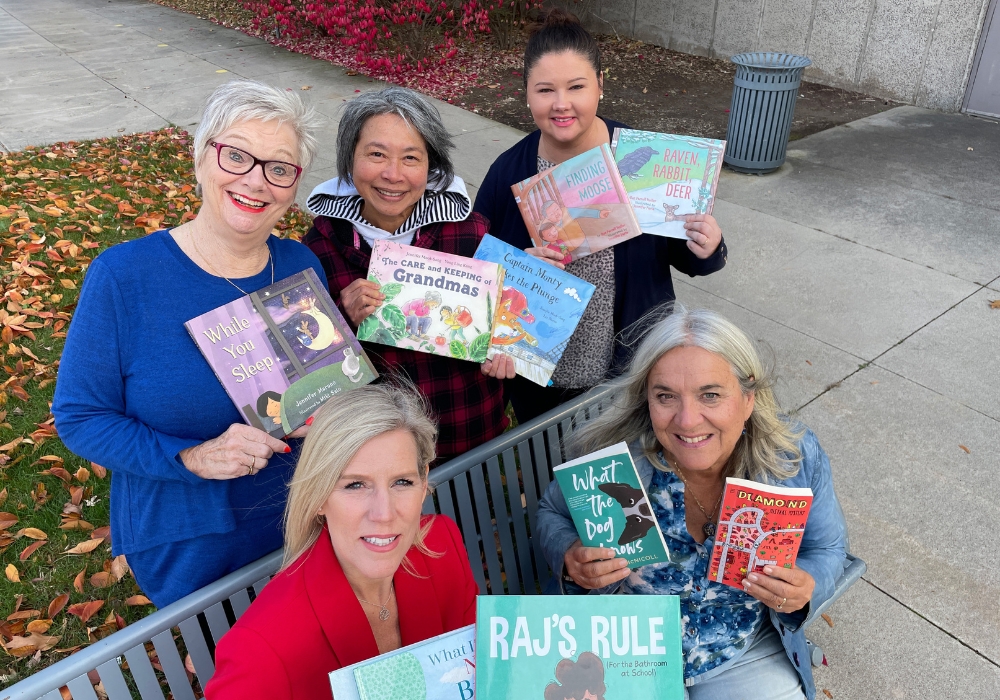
{"x":783,"y":600}
{"x":250,"y":469}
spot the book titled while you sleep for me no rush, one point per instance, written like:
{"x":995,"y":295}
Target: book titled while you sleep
{"x":281,"y":352}
{"x":610,"y":507}
{"x":759,"y":525}
{"x":560,"y":647}
{"x":434,"y":302}
{"x":439,"y":668}
{"x":539,"y":308}
{"x":667,"y":177}
{"x":577,"y":207}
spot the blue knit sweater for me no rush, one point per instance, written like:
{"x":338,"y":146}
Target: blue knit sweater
{"x":133,"y":391}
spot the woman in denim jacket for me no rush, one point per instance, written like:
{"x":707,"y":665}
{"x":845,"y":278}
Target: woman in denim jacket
{"x":696,"y":406}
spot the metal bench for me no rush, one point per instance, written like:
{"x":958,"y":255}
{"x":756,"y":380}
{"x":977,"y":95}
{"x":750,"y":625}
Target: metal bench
{"x":495,"y":512}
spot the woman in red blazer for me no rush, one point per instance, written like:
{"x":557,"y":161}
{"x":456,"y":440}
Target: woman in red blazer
{"x":364,"y":573}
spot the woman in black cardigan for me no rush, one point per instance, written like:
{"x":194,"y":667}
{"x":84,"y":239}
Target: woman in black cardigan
{"x":564,"y":84}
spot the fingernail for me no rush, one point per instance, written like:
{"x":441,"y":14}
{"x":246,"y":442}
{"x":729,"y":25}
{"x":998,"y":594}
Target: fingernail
{"x":746,"y":584}
{"x":310,"y":419}
{"x":768,"y":570}
{"x":752,"y":577}
{"x":288,"y":448}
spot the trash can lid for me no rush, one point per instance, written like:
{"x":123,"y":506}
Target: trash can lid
{"x":770,"y":59}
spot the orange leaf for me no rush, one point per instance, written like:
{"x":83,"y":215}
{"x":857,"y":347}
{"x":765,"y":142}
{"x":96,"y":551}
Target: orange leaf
{"x":138,"y":600}
{"x":99,"y":471}
{"x":84,"y":547}
{"x":24,"y":615}
{"x":26,"y":646}
{"x":78,"y":582}
{"x":966,"y":449}
{"x":82,"y":474}
{"x":101,"y":532}
{"x":119,"y":567}
{"x":12,"y":574}
{"x":32,"y":532}
{"x":57,"y":604}
{"x":30,"y":549}
{"x":85,"y":611}
{"x":6,"y":520}
{"x":39,"y":626}
{"x":102,"y":579}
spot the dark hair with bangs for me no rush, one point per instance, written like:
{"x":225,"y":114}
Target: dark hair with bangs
{"x":558,"y":31}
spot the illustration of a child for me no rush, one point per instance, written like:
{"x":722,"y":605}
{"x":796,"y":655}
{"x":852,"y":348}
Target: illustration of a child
{"x":582,"y":679}
{"x":457,"y":321}
{"x":558,"y":228}
{"x":418,"y":313}
{"x":269,"y":410}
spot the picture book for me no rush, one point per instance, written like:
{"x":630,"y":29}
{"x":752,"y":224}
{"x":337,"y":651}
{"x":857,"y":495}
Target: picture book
{"x":439,"y":668}
{"x":667,"y":177}
{"x":578,"y":207}
{"x":562,"y":647}
{"x":759,"y":525}
{"x":281,"y":352}
{"x":434,"y":302}
{"x":610,"y":507}
{"x":539,"y":308}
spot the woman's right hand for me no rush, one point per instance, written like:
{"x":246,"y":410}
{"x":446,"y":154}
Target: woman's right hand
{"x":594,"y":567}
{"x":359,"y":300}
{"x":233,"y":454}
{"x":550,"y":256}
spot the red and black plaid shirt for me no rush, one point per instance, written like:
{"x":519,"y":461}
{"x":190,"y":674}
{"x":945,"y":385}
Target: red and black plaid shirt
{"x":468,"y":404}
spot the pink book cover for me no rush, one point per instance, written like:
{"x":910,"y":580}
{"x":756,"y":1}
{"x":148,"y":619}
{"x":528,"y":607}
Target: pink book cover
{"x":434,"y":302}
{"x":281,"y":352}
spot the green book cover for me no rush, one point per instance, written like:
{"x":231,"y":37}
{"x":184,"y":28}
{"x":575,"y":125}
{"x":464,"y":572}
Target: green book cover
{"x":610,"y":507}
{"x":579,"y":647}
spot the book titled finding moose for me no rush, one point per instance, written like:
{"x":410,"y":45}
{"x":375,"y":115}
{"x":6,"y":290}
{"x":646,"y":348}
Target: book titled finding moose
{"x":610,"y":507}
{"x":281,"y":352}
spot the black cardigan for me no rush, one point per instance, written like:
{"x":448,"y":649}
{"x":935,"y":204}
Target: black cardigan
{"x":642,"y":264}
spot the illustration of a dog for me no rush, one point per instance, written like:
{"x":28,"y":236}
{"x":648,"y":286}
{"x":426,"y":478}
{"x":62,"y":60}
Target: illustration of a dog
{"x":638,"y":516}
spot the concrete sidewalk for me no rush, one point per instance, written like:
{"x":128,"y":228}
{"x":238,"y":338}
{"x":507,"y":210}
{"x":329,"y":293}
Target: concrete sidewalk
{"x":866,"y":264}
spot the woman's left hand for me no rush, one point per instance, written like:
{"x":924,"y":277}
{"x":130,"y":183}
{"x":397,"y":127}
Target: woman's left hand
{"x":704,"y":234}
{"x":781,"y":589}
{"x":500,"y":367}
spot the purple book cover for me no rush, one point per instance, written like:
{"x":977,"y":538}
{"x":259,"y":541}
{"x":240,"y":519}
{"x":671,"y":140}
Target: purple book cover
{"x":281,"y":352}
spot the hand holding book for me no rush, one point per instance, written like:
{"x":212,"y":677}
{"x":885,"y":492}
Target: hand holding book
{"x":784,"y":590}
{"x":594,"y":567}
{"x":704,"y":233}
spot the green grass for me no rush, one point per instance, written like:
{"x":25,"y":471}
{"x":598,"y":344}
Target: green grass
{"x":60,"y":206}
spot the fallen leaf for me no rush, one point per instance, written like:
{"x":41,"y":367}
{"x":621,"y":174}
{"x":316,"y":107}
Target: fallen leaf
{"x":24,"y":615}
{"x":26,"y":646}
{"x":85,"y":611}
{"x":995,"y":303}
{"x":828,"y":619}
{"x":102,"y":579}
{"x":138,"y":600}
{"x":101,"y":532}
{"x":84,"y":547}
{"x":12,"y":574}
{"x":119,"y":567}
{"x":57,"y":604}
{"x":966,"y":449}
{"x":827,"y":693}
{"x":32,"y":532}
{"x":99,"y":471}
{"x":6,"y":520}
{"x":39,"y":626}
{"x":82,"y":474}
{"x":30,"y":549}
{"x":78,"y":581}
{"x":306,"y":87}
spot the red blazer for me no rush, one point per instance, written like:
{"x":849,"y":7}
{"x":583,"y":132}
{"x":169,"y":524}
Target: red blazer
{"x":308,"y":621}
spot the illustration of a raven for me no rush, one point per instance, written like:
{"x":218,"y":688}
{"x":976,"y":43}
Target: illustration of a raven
{"x":633,"y":162}
{"x":638,"y":517}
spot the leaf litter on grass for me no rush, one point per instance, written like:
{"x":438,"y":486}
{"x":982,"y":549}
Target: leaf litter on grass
{"x":60,"y":206}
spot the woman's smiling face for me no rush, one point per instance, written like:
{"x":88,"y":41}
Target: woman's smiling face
{"x":563,"y":93}
{"x":697,"y":408}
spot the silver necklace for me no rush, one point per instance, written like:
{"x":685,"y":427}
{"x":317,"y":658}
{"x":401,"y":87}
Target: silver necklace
{"x":709,"y":527}
{"x":383,"y":614}
{"x":211,"y":267}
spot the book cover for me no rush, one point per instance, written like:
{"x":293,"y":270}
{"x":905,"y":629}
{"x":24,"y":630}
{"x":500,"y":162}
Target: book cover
{"x":667,"y":177}
{"x":579,"y":647}
{"x":610,"y":507}
{"x":434,"y":302}
{"x":578,"y":207}
{"x":439,"y":668}
{"x":281,"y":352}
{"x":759,"y":525}
{"x":539,"y":308}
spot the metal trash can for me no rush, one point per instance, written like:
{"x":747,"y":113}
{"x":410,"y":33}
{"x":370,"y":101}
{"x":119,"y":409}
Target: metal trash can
{"x":760,"y":117}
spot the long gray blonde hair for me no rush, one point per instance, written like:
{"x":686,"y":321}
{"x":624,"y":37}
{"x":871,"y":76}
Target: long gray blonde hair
{"x":341,"y":427}
{"x":768,"y":449}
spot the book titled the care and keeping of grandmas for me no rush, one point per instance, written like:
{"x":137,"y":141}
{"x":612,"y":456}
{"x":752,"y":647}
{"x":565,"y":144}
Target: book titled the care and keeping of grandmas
{"x":439,"y":668}
{"x":610,"y":507}
{"x":281,"y":352}
{"x":539,"y":308}
{"x":541,"y":647}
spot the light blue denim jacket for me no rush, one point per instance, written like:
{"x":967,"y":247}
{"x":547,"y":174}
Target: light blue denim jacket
{"x":821,"y":553}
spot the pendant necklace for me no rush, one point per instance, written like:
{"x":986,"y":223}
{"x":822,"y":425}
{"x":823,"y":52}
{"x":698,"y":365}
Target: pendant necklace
{"x":211,"y":267}
{"x":383,"y":614}
{"x":709,"y":527}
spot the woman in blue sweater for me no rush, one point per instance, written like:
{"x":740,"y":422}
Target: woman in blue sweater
{"x":195,"y":493}
{"x":564,"y":85}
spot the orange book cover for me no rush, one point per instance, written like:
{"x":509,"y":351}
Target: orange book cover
{"x":759,"y":525}
{"x":578,"y":207}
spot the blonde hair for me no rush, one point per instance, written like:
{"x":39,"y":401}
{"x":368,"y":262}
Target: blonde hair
{"x":341,"y":427}
{"x":768,"y":449}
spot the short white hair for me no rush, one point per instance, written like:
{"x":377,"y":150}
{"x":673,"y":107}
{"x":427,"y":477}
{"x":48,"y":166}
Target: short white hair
{"x":245,"y":100}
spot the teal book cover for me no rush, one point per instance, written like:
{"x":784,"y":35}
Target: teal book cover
{"x":667,"y":177}
{"x":538,"y":310}
{"x":610,"y":507}
{"x":439,"y":668}
{"x":585,"y":647}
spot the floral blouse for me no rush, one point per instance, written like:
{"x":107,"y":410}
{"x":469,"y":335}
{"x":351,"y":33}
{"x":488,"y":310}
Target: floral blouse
{"x":719,"y":622}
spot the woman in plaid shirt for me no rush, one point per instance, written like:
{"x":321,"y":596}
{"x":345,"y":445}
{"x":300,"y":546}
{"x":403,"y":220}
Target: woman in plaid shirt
{"x":396,"y":182}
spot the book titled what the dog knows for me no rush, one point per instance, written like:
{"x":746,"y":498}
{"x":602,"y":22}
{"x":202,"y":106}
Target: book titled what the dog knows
{"x":281,"y":352}
{"x":610,"y":507}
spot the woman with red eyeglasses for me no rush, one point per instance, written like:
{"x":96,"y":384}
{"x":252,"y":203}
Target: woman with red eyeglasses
{"x":195,"y":493}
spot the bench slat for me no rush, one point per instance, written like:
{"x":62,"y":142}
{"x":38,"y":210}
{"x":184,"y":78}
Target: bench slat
{"x":517,"y":516}
{"x":201,"y":657}
{"x":484,"y":516}
{"x":445,"y":502}
{"x":258,"y":586}
{"x":172,"y":665}
{"x":467,"y":524}
{"x":508,"y":558}
{"x":218,"y":623}
{"x":240,"y":601}
{"x":143,"y":674}
{"x":81,"y":688}
{"x":113,"y":680}
{"x":541,"y":478}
